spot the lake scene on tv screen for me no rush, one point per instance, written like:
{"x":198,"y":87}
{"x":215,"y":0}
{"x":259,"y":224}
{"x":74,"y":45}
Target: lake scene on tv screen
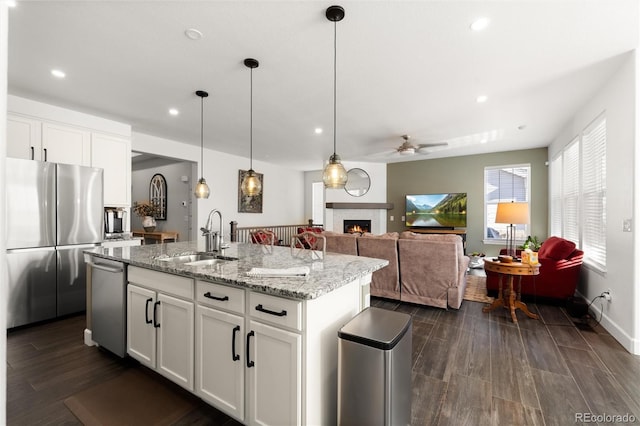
{"x":436,"y":210}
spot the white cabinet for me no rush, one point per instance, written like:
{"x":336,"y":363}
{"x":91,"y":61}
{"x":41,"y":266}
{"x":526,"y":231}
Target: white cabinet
{"x":220,"y":354}
{"x":274,"y":373}
{"x":24,"y":138}
{"x":160,"y":323}
{"x":113,"y":154}
{"x":65,"y":144}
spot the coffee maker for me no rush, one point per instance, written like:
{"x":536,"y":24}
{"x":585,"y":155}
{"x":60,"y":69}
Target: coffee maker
{"x":114,"y":222}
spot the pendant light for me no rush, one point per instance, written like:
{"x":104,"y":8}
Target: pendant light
{"x":334,"y":175}
{"x":202,"y":189}
{"x":251,"y":185}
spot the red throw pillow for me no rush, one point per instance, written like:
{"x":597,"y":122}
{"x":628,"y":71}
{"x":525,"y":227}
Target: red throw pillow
{"x":556,"y":248}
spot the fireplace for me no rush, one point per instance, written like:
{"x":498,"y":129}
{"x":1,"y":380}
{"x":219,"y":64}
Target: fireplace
{"x":352,"y":226}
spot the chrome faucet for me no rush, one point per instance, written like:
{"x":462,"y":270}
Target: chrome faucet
{"x":214,"y":240}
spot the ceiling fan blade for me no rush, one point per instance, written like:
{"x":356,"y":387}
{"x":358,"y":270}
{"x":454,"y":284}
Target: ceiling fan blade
{"x":431,"y":145}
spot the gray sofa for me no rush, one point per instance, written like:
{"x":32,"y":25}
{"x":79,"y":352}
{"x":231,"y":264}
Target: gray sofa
{"x":428,"y":269}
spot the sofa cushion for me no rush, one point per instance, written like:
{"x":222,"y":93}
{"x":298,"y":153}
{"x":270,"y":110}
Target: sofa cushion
{"x":393,"y":235}
{"x":431,"y":237}
{"x":556,"y":248}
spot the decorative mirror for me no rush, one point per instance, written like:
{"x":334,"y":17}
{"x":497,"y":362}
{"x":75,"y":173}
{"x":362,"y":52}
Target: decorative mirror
{"x":358,"y":182}
{"x":158,"y":195}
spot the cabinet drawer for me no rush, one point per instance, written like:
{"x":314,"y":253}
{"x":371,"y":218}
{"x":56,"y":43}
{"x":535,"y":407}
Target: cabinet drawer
{"x":276,"y":310}
{"x":210,"y":294}
{"x":160,"y":281}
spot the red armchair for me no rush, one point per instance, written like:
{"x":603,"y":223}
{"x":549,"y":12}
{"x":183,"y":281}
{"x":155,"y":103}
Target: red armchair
{"x":560,"y":263}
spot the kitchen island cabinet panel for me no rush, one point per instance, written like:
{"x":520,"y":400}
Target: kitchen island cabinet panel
{"x":220,"y":360}
{"x":274,"y":369}
{"x":141,"y":339}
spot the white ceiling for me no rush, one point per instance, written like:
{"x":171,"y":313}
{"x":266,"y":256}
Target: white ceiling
{"x":410,"y":67}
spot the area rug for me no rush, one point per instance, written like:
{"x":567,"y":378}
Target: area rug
{"x":476,"y":290}
{"x":133,"y":398}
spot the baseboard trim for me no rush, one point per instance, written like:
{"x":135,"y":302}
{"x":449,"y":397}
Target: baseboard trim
{"x":629,"y":343}
{"x":88,"y":338}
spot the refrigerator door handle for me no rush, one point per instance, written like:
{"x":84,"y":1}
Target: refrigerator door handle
{"x":25,"y":250}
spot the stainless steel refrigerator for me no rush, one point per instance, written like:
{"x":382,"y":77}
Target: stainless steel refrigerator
{"x":54,"y":212}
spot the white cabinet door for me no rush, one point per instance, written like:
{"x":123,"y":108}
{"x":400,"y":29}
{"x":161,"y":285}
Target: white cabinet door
{"x":113,"y":154}
{"x":141,"y":333}
{"x":220,"y":360}
{"x":65,"y":144}
{"x":275,"y":376}
{"x":23,"y":138}
{"x":174,"y":324}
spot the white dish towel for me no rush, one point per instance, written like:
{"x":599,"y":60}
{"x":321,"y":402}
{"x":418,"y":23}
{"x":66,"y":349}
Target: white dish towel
{"x":297,"y":271}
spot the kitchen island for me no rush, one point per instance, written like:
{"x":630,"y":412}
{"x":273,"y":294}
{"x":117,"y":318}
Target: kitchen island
{"x":261,"y":349}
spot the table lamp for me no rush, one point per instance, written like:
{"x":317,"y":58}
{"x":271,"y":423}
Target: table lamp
{"x":512,"y":213}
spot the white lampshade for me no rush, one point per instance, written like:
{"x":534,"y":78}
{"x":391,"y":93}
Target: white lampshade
{"x":512,"y":213}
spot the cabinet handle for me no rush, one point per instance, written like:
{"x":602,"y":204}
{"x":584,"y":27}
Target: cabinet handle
{"x":208,"y":295}
{"x":155,"y":324}
{"x":45,"y":154}
{"x":146,"y":312}
{"x":270,"y":312}
{"x":234,"y":355}
{"x":33,"y":154}
{"x":249,"y":362}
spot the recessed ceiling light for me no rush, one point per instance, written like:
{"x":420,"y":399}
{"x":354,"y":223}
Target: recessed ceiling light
{"x":193,"y":34}
{"x":522,"y":127}
{"x":482,"y":99}
{"x":173,"y":111}
{"x":479,"y":24}
{"x":58,"y":73}
{"x":484,"y":140}
{"x":318,"y":130}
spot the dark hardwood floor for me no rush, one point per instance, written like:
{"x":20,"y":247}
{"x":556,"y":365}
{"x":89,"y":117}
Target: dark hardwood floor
{"x":469,"y":368}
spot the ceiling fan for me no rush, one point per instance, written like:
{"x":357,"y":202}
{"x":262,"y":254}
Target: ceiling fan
{"x":409,"y":149}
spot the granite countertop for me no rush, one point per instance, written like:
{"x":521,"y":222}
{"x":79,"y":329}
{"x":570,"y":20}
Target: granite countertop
{"x":326,"y":275}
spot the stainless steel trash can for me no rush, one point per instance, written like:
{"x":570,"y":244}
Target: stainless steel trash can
{"x":374,"y":369}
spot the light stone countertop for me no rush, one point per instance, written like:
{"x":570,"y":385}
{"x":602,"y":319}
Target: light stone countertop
{"x":327,"y":274}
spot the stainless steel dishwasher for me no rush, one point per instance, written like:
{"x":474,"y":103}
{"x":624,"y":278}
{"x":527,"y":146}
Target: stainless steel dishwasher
{"x":109,"y":304}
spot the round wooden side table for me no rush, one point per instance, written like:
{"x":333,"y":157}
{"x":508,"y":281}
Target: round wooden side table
{"x":511,"y":300}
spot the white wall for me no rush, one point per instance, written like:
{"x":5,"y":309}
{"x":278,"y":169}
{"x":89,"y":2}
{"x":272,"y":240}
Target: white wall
{"x":617,"y":100}
{"x":4,"y":290}
{"x":283,"y":189}
{"x":377,"y":193}
{"x":179,"y":216}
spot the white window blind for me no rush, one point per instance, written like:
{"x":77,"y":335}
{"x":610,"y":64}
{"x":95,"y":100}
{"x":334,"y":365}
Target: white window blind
{"x":594,"y":191}
{"x":505,"y":184}
{"x":555,"y":185}
{"x":571,"y":192}
{"x":578,"y":184}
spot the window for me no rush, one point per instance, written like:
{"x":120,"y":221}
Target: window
{"x":505,"y":184}
{"x":579,"y":193}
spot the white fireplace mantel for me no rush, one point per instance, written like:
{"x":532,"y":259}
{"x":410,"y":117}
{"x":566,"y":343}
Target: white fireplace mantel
{"x":336,"y":213}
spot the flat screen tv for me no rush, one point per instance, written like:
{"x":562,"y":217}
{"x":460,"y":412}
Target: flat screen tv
{"x":436,"y":210}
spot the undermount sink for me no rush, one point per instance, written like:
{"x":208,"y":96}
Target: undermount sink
{"x":197,"y":259}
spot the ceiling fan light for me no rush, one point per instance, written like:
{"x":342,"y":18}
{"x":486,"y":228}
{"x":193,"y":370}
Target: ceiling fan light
{"x":202,"y":189}
{"x":407,"y":151}
{"x":334,"y":175}
{"x":251,"y":185}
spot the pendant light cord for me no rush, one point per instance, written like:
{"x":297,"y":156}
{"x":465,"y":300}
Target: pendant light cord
{"x":251,"y":124}
{"x":335,"y":60}
{"x":201,"y":136}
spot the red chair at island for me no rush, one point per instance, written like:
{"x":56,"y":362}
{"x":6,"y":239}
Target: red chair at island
{"x":560,"y":262}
